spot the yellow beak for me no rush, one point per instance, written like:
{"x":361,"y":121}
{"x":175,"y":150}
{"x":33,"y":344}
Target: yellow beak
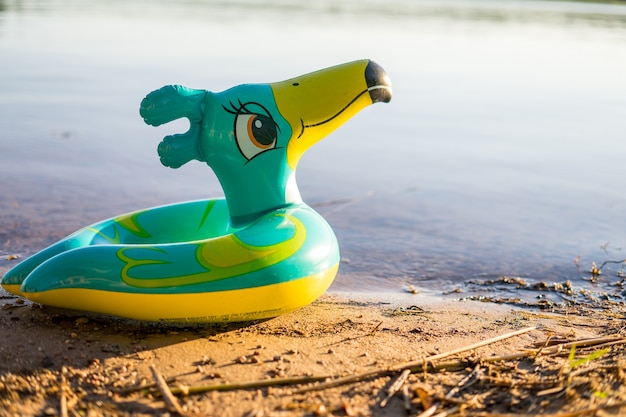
{"x":316,"y":104}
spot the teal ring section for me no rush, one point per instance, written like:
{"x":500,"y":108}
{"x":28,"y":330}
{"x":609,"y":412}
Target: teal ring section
{"x":100,"y":263}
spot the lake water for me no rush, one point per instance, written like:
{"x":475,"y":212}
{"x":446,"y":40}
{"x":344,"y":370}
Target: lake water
{"x":502,"y":153}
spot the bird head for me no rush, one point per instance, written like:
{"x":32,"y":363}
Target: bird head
{"x":253,"y":135}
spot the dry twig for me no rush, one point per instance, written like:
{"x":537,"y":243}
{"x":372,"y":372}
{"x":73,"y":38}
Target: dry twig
{"x":262,"y":383}
{"x":469,"y":380}
{"x":428,"y":412}
{"x":449,"y":411}
{"x":170,"y":400}
{"x":406,"y":399}
{"x":395,"y":387}
{"x":145,"y":388}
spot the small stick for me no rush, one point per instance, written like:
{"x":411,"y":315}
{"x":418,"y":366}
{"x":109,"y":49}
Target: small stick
{"x":623,"y":261}
{"x":262,"y":383}
{"x":145,"y":387}
{"x":550,"y":391}
{"x":63,"y":399}
{"x":170,"y":400}
{"x":345,"y":380}
{"x":395,"y":387}
{"x":376,"y":328}
{"x":448,"y":412}
{"x":469,"y":380}
{"x":546,"y":343}
{"x":592,"y":368}
{"x":429,"y":412}
{"x":406,"y":398}
{"x":588,"y":342}
{"x":359,"y":337}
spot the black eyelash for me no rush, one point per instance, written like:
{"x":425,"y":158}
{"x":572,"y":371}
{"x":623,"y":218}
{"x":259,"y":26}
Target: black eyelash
{"x":236,"y":110}
{"x":243,"y":110}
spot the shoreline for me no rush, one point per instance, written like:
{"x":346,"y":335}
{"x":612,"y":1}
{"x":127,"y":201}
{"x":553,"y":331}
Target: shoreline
{"x":100,"y":361}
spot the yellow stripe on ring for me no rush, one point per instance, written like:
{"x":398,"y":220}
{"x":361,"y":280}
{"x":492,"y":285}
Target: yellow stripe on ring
{"x":220,"y":306}
{"x":13,"y":288}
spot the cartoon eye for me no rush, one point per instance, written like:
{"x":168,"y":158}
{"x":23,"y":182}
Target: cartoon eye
{"x":255,"y":132}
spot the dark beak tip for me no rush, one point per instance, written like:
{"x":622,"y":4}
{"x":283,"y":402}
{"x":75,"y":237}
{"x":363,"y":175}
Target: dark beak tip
{"x":378,"y":83}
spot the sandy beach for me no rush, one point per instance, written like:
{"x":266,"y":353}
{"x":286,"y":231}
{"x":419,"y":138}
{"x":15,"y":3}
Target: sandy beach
{"x":58,"y":362}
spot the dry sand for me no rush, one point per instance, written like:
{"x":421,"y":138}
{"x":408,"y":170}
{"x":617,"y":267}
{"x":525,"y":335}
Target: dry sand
{"x":58,"y":362}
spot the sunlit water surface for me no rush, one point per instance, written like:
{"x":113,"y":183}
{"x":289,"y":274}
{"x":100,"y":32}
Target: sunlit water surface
{"x":502,"y":153}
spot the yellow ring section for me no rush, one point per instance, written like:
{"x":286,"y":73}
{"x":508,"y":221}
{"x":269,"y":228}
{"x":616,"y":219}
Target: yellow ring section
{"x":220,"y":306}
{"x":13,"y":288}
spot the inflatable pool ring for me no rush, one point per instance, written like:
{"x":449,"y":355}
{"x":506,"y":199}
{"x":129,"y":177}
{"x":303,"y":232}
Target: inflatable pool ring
{"x":256,"y":254}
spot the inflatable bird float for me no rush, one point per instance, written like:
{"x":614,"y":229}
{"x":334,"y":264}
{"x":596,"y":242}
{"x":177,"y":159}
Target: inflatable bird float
{"x":255,"y":254}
